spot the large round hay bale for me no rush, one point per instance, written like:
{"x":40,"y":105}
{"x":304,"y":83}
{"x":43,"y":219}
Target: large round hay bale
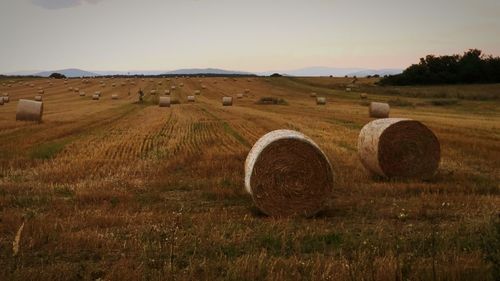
{"x":320,"y":100}
{"x":38,"y":98}
{"x":398,"y":147}
{"x":190,"y":98}
{"x":164,"y":102}
{"x":28,"y":110}
{"x":313,"y":95}
{"x":379,"y":110}
{"x":227,"y":101}
{"x":287,"y":174}
{"x":95,"y":97}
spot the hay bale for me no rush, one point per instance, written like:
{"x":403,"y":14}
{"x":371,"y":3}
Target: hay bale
{"x":103,"y":85}
{"x":227,"y":101}
{"x":114,"y":96}
{"x":1,"y":102}
{"x":28,"y":110}
{"x":164,"y":102}
{"x":379,"y":110}
{"x":167,"y":92}
{"x":197,"y":92}
{"x":287,"y":174}
{"x":38,"y":98}
{"x":313,"y":95}
{"x":70,"y":89}
{"x":173,"y":88}
{"x":181,"y":85}
{"x":82,"y":94}
{"x":41,"y":92}
{"x":97,"y":93}
{"x":239,"y":96}
{"x":320,"y":100}
{"x":348,"y":89}
{"x":153,"y":92}
{"x":247,"y":91}
{"x":398,"y":147}
{"x":203,"y":87}
{"x":5,"y":99}
{"x":363,"y":96}
{"x":95,"y":97}
{"x":190,"y":98}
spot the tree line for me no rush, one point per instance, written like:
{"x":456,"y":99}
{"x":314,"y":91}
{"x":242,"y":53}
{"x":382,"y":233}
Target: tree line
{"x":471,"y":67}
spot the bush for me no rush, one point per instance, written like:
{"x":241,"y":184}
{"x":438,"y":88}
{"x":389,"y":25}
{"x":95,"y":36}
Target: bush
{"x":444,"y":102}
{"x":272,"y":100}
{"x":56,"y":75}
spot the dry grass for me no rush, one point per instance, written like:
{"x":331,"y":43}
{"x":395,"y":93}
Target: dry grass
{"x":119,"y":190}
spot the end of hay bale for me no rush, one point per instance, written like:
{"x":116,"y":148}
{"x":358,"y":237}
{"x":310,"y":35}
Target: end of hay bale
{"x":379,"y":110}
{"x":320,"y":100}
{"x":82,"y":94}
{"x":164,"y":102}
{"x":38,"y":98}
{"x":114,"y":96}
{"x":287,"y":174}
{"x":227,"y":101}
{"x":190,"y":98}
{"x":95,"y":97}
{"x":28,"y":110}
{"x":400,"y":148}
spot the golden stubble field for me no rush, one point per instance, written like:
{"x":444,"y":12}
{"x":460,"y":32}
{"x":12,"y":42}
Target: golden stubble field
{"x":116,"y":190}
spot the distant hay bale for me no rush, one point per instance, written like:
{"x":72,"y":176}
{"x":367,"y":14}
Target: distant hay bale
{"x":97,"y":93}
{"x":82,"y":94}
{"x":70,"y":89}
{"x":379,"y":110}
{"x":197,"y":92}
{"x":287,"y":174}
{"x":113,"y":85}
{"x":190,"y":98}
{"x":160,"y":83}
{"x":95,"y":97}
{"x":239,"y":96}
{"x":203,"y":87}
{"x":28,"y":110}
{"x":167,"y":92}
{"x":76,"y":90}
{"x":164,"y":102}
{"x":320,"y":100}
{"x":153,"y":92}
{"x":5,"y":98}
{"x":227,"y":101}
{"x":114,"y":96}
{"x":32,"y":85}
{"x":247,"y":91}
{"x":181,"y":85}
{"x":363,"y":96}
{"x":41,"y":92}
{"x":348,"y":89}
{"x":173,"y":87}
{"x":398,"y":147}
{"x":103,"y":85}
{"x":38,"y":98}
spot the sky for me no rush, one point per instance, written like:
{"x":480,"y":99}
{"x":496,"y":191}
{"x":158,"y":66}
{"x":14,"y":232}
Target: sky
{"x":246,"y":35}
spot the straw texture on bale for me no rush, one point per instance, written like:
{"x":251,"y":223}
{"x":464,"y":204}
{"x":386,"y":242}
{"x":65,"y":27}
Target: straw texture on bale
{"x":227,"y":101}
{"x":379,"y":110}
{"x":95,"y":97}
{"x":38,"y":98}
{"x":164,"y":102}
{"x":320,"y":100}
{"x":28,"y":110}
{"x":114,"y":96}
{"x":190,"y":98}
{"x":398,"y":147}
{"x":287,"y":174}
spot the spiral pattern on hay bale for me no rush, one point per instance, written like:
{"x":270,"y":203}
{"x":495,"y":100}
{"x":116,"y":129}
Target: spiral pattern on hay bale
{"x":287,"y":174}
{"x":399,"y":147}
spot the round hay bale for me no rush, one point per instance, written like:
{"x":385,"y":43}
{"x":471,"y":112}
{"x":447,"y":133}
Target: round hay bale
{"x":173,"y":87}
{"x":190,"y":98}
{"x":70,"y":89}
{"x":320,"y":100}
{"x":164,"y":102}
{"x":153,"y":92}
{"x":347,"y":89}
{"x":1,"y":102}
{"x":38,"y":98}
{"x":41,"y":92}
{"x":103,"y":85}
{"x":167,"y":92}
{"x":203,"y":87}
{"x":287,"y":174}
{"x":197,"y":92}
{"x":181,"y":85}
{"x":95,"y":97}
{"x":399,"y":147}
{"x":5,"y":99}
{"x":227,"y":101}
{"x":363,"y":96}
{"x":239,"y":96}
{"x":379,"y":110}
{"x":247,"y":91}
{"x":76,"y":90}
{"x":97,"y":93}
{"x":28,"y":110}
{"x":114,"y":96}
{"x":313,"y":95}
{"x":82,"y":94}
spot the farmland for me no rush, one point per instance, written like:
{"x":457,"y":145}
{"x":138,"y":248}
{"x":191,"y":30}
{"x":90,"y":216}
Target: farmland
{"x":121,"y":190}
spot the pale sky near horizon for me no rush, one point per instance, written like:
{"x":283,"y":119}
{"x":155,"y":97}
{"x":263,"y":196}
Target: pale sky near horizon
{"x":252,"y":35}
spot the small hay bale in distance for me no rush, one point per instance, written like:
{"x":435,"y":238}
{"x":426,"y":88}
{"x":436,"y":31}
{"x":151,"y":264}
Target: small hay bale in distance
{"x":399,"y":148}
{"x":41,"y":92}
{"x":173,"y":87}
{"x":227,"y":101}
{"x":114,"y":96}
{"x":164,"y":102}
{"x":320,"y":100}
{"x":97,"y":93}
{"x":28,"y":110}
{"x":287,"y":174}
{"x":181,"y":85}
{"x":239,"y":96}
{"x":247,"y":91}
{"x":190,"y":98}
{"x":197,"y":92}
{"x":70,"y":89}
{"x":379,"y":110}
{"x":153,"y":92}
{"x":203,"y":87}
{"x":363,"y":96}
{"x":38,"y":98}
{"x":5,"y":98}
{"x":167,"y":92}
{"x":82,"y":94}
{"x":348,"y":89}
{"x":313,"y":95}
{"x":95,"y":97}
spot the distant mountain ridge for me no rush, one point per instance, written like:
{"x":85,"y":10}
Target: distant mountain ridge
{"x":308,"y":71}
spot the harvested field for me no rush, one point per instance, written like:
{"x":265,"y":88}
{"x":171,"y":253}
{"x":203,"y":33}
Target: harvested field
{"x":121,"y":190}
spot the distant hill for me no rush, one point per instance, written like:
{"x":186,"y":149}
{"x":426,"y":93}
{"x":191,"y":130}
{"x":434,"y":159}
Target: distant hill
{"x":70,"y":72}
{"x":334,"y":71}
{"x":191,"y":71}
